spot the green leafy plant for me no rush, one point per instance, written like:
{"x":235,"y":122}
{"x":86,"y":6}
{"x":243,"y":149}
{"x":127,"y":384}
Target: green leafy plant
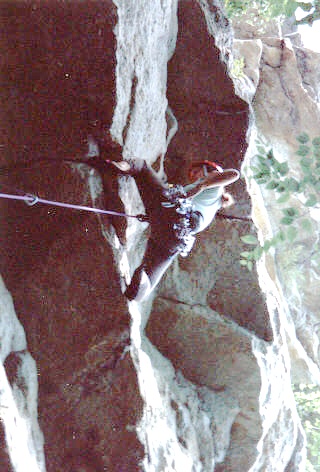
{"x":249,"y":257}
{"x":271,"y":8}
{"x":308,"y":405}
{"x":275,"y":175}
{"x":314,"y":13}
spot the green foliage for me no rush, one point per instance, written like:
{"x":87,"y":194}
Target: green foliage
{"x":236,"y":7}
{"x":275,"y":175}
{"x":249,"y":257}
{"x":267,"y":8}
{"x":314,"y":13}
{"x":308,"y":405}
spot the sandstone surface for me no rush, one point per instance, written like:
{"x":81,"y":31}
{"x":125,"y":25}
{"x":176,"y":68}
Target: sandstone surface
{"x":198,"y":377}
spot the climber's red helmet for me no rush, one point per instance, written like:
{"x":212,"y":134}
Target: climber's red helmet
{"x":201,"y":169}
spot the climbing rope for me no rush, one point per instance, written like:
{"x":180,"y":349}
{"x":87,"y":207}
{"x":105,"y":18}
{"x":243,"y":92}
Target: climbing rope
{"x":31,"y":200}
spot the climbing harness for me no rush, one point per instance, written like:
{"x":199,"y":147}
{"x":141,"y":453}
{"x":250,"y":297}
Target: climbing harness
{"x":31,"y":200}
{"x":185,"y":223}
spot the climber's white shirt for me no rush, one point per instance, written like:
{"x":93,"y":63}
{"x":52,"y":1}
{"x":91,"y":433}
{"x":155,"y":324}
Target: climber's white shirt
{"x":207,"y":203}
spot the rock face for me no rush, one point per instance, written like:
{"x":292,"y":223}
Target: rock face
{"x":58,"y":264}
{"x":198,"y":377}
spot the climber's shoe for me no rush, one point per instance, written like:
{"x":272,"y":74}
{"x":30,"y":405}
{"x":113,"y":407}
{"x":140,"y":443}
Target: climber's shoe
{"x":139,"y":287}
{"x":124,"y":166}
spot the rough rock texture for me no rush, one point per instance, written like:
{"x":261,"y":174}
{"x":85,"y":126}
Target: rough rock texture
{"x":18,"y":397}
{"x":286,"y":104}
{"x":198,"y":377}
{"x":58,"y":264}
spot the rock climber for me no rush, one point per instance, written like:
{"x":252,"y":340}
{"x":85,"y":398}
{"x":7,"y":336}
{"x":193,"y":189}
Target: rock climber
{"x":175,"y":214}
